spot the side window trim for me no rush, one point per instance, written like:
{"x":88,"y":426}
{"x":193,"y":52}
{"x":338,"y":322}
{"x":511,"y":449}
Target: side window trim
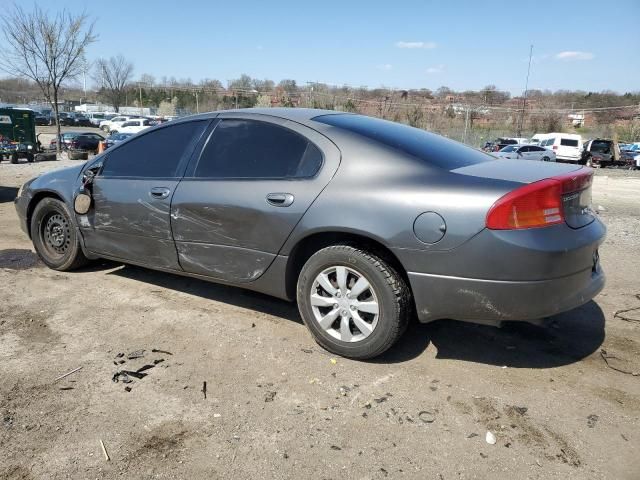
{"x":190,"y":172}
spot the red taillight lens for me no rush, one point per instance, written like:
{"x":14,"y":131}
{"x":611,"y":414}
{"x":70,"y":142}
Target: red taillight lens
{"x":538,"y":204}
{"x":555,"y":147}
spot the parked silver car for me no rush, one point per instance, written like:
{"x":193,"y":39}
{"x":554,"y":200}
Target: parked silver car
{"x":364,"y":222}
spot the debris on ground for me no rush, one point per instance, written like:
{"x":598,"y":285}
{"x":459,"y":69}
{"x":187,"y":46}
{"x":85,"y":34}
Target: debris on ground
{"x":426,"y":417}
{"x":490,"y":438}
{"x":135,"y":354}
{"x":67,"y":374}
{"x":607,"y":357}
{"x":333,"y":361}
{"x":592,"y":420}
{"x":270,"y":396}
{"x":204,"y":389}
{"x":104,"y":451}
{"x":155,"y":350}
{"x":622,"y":314}
{"x":344,"y":390}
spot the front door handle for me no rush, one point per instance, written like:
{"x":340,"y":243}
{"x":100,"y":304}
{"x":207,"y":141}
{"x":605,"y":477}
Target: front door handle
{"x":160,"y":192}
{"x":280,"y":199}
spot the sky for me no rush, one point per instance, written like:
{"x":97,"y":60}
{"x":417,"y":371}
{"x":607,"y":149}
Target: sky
{"x":587,"y":45}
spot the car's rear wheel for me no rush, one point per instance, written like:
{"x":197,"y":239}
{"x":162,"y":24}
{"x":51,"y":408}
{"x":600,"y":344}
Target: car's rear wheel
{"x":354,"y":303}
{"x":546,"y":159}
{"x":54,"y":236}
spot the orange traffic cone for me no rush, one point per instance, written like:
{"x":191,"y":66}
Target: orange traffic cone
{"x":100,"y":147}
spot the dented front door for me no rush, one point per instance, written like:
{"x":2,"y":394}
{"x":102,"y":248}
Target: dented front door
{"x":131,"y":221}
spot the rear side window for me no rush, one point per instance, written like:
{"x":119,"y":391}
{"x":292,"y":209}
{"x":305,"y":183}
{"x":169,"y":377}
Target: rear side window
{"x":254,"y":149}
{"x":428,"y":147}
{"x":156,"y":154}
{"x":568,"y":142}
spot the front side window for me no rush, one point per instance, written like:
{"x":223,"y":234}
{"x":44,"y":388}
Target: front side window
{"x":255,"y":149}
{"x":155,"y":154}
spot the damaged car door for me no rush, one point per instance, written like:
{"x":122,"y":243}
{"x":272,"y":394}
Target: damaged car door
{"x":130,"y":218}
{"x":244,"y":193}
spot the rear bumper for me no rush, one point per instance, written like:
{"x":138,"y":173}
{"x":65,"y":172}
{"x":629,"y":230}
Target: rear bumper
{"x":492,"y":301}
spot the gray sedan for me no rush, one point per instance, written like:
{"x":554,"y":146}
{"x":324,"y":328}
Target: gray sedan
{"x":364,"y":222}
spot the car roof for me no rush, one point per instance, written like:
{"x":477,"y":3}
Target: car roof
{"x":299,"y":115}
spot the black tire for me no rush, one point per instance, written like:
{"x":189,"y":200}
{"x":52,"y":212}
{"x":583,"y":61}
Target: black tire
{"x":393,"y":298}
{"x":546,"y":159}
{"x":14,"y":158}
{"x":54,"y":236}
{"x":30,"y":157}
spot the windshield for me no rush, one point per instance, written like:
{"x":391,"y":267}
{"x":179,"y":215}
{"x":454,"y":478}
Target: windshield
{"x":510,"y":148}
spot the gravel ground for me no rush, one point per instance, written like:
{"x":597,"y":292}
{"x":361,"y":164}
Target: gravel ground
{"x":277,"y":406}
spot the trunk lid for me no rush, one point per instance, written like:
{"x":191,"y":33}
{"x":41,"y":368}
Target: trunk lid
{"x":576,"y":196}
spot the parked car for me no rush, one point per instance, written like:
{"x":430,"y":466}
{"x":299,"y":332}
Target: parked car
{"x":526,"y":152}
{"x":631,"y":155}
{"x":86,"y":141}
{"x":601,"y":152}
{"x":361,"y":220}
{"x":133,"y":126}
{"x":65,"y":119}
{"x":116,"y":138}
{"x":500,"y":143}
{"x":97,"y":117}
{"x":81,"y":120}
{"x":567,"y":146}
{"x":41,"y":119}
{"x":115,"y":122}
{"x":67,"y":138}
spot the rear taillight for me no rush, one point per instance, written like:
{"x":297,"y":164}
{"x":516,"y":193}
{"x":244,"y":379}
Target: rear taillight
{"x":555,"y":147}
{"x":538,"y":204}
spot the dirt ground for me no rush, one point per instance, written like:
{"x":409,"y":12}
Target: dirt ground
{"x":278,"y":406}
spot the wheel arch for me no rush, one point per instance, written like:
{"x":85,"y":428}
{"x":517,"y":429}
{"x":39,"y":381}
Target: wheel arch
{"x":35,"y":200}
{"x":307,"y":246}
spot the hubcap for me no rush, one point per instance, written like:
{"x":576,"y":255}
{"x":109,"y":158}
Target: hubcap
{"x":55,"y":234}
{"x":344,"y":304}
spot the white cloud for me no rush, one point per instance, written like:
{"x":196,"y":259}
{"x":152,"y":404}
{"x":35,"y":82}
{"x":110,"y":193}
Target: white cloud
{"x":384,"y":66}
{"x":427,"y":45}
{"x":570,"y":55}
{"x":436,"y":69}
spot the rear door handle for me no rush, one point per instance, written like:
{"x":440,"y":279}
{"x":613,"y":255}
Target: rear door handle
{"x":280,"y":199}
{"x":160,"y":192}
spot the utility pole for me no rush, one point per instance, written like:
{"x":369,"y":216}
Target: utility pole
{"x":526,"y":90}
{"x":140,"y":89}
{"x":197,"y":104}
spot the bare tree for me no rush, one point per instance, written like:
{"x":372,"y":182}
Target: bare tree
{"x":48,"y":49}
{"x":114,"y":76}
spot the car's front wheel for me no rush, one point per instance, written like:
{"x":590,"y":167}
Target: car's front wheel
{"x":54,"y":236}
{"x":354,"y":303}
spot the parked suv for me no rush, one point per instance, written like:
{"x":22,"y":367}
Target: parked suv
{"x":133,"y":126}
{"x":601,"y":152}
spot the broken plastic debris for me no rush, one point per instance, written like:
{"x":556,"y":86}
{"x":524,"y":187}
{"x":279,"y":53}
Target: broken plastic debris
{"x":333,"y":361}
{"x":426,"y":417}
{"x":490,"y":438}
{"x":136,"y":354}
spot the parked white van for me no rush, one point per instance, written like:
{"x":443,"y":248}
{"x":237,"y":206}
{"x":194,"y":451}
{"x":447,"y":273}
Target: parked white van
{"x":538,"y":138}
{"x":566,"y":146}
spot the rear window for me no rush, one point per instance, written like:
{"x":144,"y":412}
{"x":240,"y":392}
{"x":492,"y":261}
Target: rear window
{"x":428,"y":147}
{"x":568,"y":142}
